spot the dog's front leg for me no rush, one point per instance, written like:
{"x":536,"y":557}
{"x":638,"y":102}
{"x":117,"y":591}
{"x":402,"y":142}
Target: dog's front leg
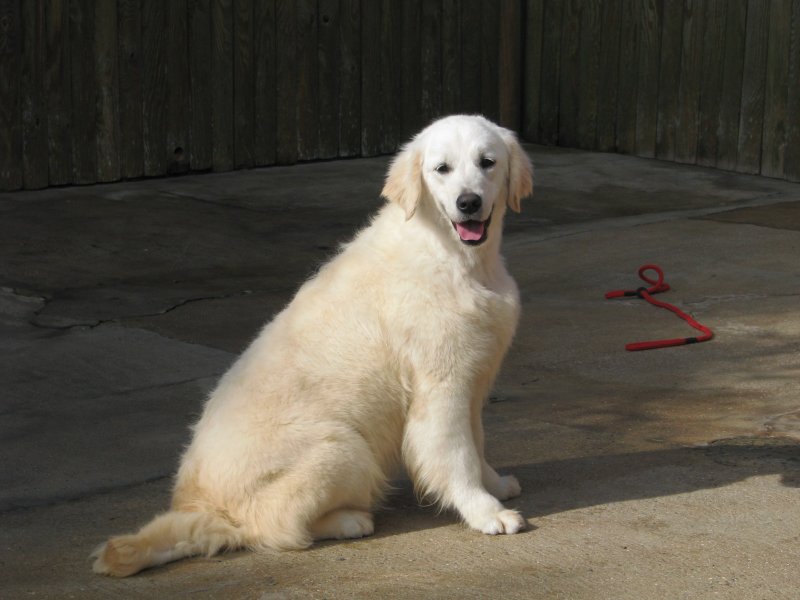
{"x":443,"y":458}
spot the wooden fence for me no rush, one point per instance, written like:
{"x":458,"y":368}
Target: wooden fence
{"x":103,"y":90}
{"x":708,"y":82}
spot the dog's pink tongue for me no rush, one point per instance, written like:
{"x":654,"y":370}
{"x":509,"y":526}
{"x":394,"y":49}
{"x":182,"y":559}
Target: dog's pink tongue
{"x":470,"y":231}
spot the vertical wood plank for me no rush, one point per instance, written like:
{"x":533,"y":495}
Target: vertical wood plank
{"x":735,"y":26}
{"x":200,"y":136}
{"x":792,"y":162}
{"x":177,"y":149}
{"x":371,"y":91}
{"x":510,"y":64}
{"x":490,"y":60}
{"x":222,"y":125}
{"x":34,"y":116}
{"x":57,"y":92}
{"x":689,"y":89}
{"x":307,"y":81}
{"x":84,"y":121}
{"x":570,"y":74}
{"x":588,"y":73}
{"x":669,"y":79}
{"x":608,"y":83}
{"x":628,"y":77}
{"x":391,"y":91}
{"x":713,"y":62}
{"x":265,"y":92}
{"x":106,"y":44}
{"x":751,"y":118}
{"x":551,"y":72}
{"x":773,"y":148}
{"x":471,"y":50}
{"x":131,"y":141}
{"x":329,"y":68}
{"x":451,"y":56}
{"x":532,"y":69}
{"x":154,"y":87}
{"x":431,"y":60}
{"x":286,"y":76}
{"x":650,"y":18}
{"x":350,"y":90}
{"x":244,"y":85}
{"x":10,"y":70}
{"x":411,"y":69}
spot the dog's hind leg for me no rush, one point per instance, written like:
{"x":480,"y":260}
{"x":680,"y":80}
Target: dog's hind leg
{"x":326,"y":494}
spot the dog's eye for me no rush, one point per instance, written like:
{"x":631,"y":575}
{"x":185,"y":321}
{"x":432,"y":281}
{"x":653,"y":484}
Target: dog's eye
{"x":486,"y":163}
{"x":443,"y":169}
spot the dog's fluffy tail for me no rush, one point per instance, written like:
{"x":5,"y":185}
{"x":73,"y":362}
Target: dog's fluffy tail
{"x":168,"y":537}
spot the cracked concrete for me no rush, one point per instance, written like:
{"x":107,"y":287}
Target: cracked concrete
{"x":670,"y":473}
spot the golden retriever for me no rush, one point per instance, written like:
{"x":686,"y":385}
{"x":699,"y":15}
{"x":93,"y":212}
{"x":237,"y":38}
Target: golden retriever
{"x":384,"y":357}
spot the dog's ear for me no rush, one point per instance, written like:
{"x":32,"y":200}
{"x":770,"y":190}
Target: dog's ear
{"x":520,"y":171}
{"x":404,"y":181}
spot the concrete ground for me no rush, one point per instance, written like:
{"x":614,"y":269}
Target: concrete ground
{"x":665,"y":474}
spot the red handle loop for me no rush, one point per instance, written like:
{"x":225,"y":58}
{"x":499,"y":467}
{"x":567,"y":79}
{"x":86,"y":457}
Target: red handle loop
{"x":658,"y":285}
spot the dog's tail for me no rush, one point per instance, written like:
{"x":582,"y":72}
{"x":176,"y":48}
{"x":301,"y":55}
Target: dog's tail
{"x":168,"y":537}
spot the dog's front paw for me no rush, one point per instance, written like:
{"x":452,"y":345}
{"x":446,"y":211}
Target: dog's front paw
{"x":506,"y":521}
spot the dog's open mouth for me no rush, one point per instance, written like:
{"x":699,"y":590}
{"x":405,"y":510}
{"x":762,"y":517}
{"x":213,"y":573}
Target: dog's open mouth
{"x":473,"y":232}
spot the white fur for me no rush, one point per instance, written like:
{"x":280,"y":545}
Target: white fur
{"x":385,"y":356}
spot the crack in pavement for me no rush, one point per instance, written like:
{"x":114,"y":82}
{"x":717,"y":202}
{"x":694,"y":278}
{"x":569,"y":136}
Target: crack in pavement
{"x":97,"y":323}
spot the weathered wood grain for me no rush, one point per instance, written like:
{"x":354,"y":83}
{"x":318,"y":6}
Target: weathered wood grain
{"x":106,"y":45}
{"x":10,"y":71}
{"x":329,"y":70}
{"x":773,"y":148}
{"x":732,"y":70}
{"x":628,"y":77}
{"x":32,"y":98}
{"x":608,"y":78}
{"x":431,"y":61}
{"x":650,"y":22}
{"x":264,"y":83}
{"x":131,"y":103}
{"x":200,"y":135}
{"x":691,"y":79}
{"x":243,"y":85}
{"x":371,"y":96}
{"x":532,"y":69}
{"x":350,"y":89}
{"x":154,"y":87}
{"x":83,"y":124}
{"x":551,"y":72}
{"x":391,"y":90}
{"x":751,"y":115}
{"x":713,"y":62}
{"x":307,"y":114}
{"x":669,"y":80}
{"x":510,"y":64}
{"x":471,"y":48}
{"x":792,"y":158}
{"x":490,"y":60}
{"x":451,"y":56}
{"x":588,"y":73}
{"x":222,"y":120}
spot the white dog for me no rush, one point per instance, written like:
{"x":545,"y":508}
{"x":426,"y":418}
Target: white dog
{"x":386,"y":355}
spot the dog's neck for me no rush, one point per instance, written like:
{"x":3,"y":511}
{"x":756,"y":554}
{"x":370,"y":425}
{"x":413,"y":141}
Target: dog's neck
{"x":480,"y":262}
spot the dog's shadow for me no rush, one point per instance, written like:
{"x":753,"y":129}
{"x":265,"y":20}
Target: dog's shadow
{"x":558,"y":486}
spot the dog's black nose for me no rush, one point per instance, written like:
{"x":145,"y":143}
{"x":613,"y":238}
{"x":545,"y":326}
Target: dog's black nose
{"x":469,"y":204}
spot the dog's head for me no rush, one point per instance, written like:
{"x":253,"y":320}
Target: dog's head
{"x":469,"y":168}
